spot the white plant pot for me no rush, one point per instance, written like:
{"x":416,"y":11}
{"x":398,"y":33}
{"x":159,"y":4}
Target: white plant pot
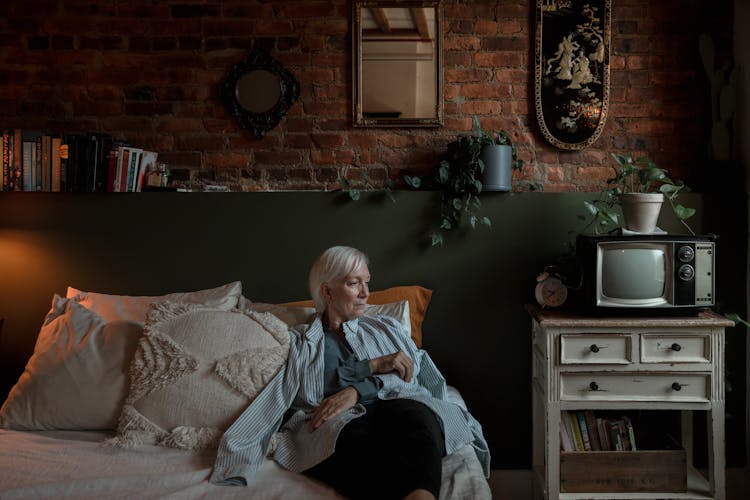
{"x":640,"y":211}
{"x":498,"y":168}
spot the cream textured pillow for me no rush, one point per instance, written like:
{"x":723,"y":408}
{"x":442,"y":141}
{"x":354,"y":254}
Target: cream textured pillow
{"x":292,"y":316}
{"x":135,"y":307}
{"x":195,"y":371}
{"x":77,"y":376}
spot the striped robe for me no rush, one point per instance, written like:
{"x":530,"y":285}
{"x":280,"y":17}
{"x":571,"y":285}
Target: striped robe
{"x":299,"y":386}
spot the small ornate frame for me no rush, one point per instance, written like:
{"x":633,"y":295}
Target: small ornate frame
{"x":260,"y":122}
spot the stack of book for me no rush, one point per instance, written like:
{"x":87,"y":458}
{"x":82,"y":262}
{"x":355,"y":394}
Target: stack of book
{"x":581,"y":430}
{"x":36,"y":161}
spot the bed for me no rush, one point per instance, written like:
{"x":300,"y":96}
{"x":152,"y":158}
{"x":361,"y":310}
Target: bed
{"x":75,"y":425}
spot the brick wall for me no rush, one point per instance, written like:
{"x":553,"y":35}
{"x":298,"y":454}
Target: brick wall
{"x":149,"y":73}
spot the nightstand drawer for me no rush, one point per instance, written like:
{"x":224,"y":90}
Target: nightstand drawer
{"x":595,"y":349}
{"x":675,"y":348}
{"x":686,"y":387}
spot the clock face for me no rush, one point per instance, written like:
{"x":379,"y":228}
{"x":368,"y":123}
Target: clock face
{"x":551,"y":292}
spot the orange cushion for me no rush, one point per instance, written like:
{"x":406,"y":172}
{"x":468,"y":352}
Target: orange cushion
{"x":417,"y":296}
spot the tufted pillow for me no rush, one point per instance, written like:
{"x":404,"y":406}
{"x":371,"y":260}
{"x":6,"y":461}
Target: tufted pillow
{"x":195,"y":370}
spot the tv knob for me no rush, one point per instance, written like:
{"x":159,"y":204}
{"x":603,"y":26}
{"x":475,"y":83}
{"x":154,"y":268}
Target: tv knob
{"x":686,"y":272}
{"x":686,"y":253}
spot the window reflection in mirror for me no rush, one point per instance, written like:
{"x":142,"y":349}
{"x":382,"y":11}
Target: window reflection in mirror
{"x":397,"y":63}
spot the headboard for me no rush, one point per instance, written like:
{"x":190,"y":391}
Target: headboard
{"x":476,"y":328}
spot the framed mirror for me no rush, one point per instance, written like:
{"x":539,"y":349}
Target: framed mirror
{"x":397,"y":74}
{"x":259,"y":91}
{"x":571,"y":84}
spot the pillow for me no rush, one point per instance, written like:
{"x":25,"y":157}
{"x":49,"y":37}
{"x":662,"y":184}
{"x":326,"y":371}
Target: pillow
{"x":417,"y":296}
{"x":294,"y":316}
{"x":195,"y":371}
{"x":76,"y":378}
{"x":134,"y":308}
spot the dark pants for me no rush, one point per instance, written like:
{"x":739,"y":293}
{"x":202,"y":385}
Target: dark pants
{"x":392,"y":450}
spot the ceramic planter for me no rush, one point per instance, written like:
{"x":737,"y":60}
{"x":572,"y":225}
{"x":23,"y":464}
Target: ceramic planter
{"x":640,"y":211}
{"x":498,"y":167}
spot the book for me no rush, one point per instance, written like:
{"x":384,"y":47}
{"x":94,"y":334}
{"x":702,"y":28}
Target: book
{"x":46,"y":163}
{"x":584,"y":430}
{"x":55,"y":165}
{"x":593,"y":430}
{"x":603,"y":436}
{"x":577,"y":437}
{"x":148,"y":163}
{"x":8,"y":184}
{"x":630,"y":432}
{"x":122,"y":172}
{"x":135,"y":162}
{"x":566,"y":444}
{"x":16,"y":160}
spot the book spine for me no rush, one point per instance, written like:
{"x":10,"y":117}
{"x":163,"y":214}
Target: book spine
{"x":630,"y":432}
{"x":16,"y":162}
{"x":4,"y":164}
{"x":584,"y":430}
{"x":565,"y":442}
{"x":7,"y":177}
{"x":577,"y":437}
{"x":603,"y":436}
{"x":593,"y":430}
{"x":55,"y":165}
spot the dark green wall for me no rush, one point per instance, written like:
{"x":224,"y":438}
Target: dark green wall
{"x":152,"y":243}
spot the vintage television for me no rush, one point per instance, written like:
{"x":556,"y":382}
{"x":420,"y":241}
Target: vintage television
{"x":622,"y":273}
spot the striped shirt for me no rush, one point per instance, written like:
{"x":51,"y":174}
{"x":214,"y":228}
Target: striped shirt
{"x":299,"y":386}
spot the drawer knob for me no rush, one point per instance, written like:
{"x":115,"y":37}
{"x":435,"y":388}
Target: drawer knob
{"x":594,"y":348}
{"x":676,"y":386}
{"x":676,"y":347}
{"x":594,"y":386}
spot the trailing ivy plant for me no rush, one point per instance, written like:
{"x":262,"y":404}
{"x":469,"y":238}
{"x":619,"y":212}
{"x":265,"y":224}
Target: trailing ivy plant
{"x":458,"y":179}
{"x":356,"y":193}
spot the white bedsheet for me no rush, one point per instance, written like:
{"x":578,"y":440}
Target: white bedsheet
{"x":76,"y":465}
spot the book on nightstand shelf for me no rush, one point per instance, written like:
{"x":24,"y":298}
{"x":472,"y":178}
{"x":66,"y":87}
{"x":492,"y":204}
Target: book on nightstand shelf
{"x":582,"y":430}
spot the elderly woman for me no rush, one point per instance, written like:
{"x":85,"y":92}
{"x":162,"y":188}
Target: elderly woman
{"x":367,"y":410}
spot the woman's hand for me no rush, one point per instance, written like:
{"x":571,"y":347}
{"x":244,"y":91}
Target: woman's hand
{"x":398,"y":361}
{"x":333,"y":405}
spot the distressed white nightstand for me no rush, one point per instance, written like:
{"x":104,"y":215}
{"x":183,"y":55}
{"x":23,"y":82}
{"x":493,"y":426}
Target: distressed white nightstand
{"x":625,"y":364}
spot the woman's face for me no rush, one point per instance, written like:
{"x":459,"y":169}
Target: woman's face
{"x":346,"y":297}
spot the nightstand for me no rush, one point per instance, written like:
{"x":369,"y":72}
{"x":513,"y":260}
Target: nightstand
{"x":625,"y":364}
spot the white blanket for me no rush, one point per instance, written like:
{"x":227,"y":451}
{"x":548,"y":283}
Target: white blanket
{"x":76,"y":465}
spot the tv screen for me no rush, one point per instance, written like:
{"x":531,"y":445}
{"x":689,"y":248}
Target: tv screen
{"x":633,"y":273}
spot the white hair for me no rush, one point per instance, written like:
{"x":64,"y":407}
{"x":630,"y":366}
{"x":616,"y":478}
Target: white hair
{"x":335,"y":263}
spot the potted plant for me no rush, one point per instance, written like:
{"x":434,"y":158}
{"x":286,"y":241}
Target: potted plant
{"x":637,"y":191}
{"x":457,"y":177}
{"x":500,"y":158}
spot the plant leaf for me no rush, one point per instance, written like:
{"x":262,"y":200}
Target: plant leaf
{"x":413,"y":181}
{"x":486,"y":221}
{"x":354,"y":194}
{"x":683,"y":212}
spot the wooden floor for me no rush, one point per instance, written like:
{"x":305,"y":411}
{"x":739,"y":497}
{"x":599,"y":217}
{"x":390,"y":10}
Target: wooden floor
{"x":516,"y":484}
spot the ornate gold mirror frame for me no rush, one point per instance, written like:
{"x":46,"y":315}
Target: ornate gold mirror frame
{"x":397,"y":73}
{"x":571,"y":84}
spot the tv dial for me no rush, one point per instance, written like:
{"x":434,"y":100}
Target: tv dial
{"x":686,"y":272}
{"x":686,"y":253}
